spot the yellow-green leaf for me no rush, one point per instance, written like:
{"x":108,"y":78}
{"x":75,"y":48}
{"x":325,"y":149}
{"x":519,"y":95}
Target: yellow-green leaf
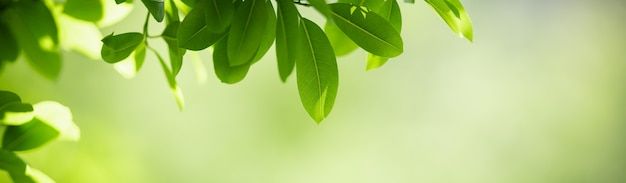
{"x":246,"y":32}
{"x":453,"y":13}
{"x":286,"y":38}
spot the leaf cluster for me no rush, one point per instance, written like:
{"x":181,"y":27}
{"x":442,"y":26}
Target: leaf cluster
{"x":28,"y":127}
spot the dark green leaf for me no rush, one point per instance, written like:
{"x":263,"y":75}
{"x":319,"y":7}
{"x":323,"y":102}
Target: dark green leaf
{"x":33,"y":26}
{"x":10,"y":50}
{"x":342,"y":44}
{"x":88,"y":10}
{"x":453,"y":13}
{"x":245,"y":34}
{"x":193,"y":32}
{"x":171,"y":12}
{"x":116,"y":48}
{"x":7,"y":97}
{"x":390,"y":11}
{"x":226,"y":73}
{"x":19,"y":171}
{"x":268,"y":35}
{"x":176,"y":53}
{"x":156,"y":8}
{"x":322,"y":7}
{"x":219,"y":15}
{"x":286,"y":38}
{"x":171,"y":81}
{"x":316,"y":68}
{"x":367,"y":29}
{"x":16,"y":113}
{"x":119,"y":1}
{"x":28,"y":136}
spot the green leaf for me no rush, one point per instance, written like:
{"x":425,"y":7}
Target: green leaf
{"x":367,"y":29}
{"x":219,"y":15}
{"x":117,"y":47}
{"x":370,"y":4}
{"x":28,"y":136}
{"x":171,"y":12}
{"x":316,"y":68}
{"x":176,"y":53}
{"x":193,"y":32}
{"x":10,"y":49}
{"x":7,"y":97}
{"x":342,"y":44}
{"x":245,"y":34}
{"x":268,"y":35}
{"x":286,"y":38}
{"x":171,"y":81}
{"x":33,"y":26}
{"x":18,"y":169}
{"x":322,"y":7}
{"x":226,"y":73}
{"x":79,"y":36}
{"x":16,"y":113}
{"x":409,"y":1}
{"x":120,"y":1}
{"x":129,"y":67}
{"x":390,"y":11}
{"x":59,"y":117}
{"x":156,"y":8}
{"x":453,"y":13}
{"x":88,"y":10}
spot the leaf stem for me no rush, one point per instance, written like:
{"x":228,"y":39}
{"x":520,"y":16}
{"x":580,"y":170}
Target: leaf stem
{"x":145,"y":27}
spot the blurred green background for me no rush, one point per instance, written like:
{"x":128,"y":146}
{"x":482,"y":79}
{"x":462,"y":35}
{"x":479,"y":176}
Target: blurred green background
{"x":538,"y":97}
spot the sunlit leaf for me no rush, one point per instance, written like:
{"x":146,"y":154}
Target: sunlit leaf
{"x":322,"y":7}
{"x":219,"y":15}
{"x":453,"y":13}
{"x":118,"y":47}
{"x":59,"y":117}
{"x":10,"y":50}
{"x":245,"y":34}
{"x":129,"y":67}
{"x":370,"y":4}
{"x":268,"y":35}
{"x":28,"y":136}
{"x":16,"y":113}
{"x":156,"y":8}
{"x":114,"y":13}
{"x":171,"y":81}
{"x":390,"y":11}
{"x":367,"y":29}
{"x":88,"y":10}
{"x":342,"y":44}
{"x":226,"y":73}
{"x":171,"y":12}
{"x":193,"y":32}
{"x":288,"y":19}
{"x":19,"y":171}
{"x":176,"y":53}
{"x":33,"y":26}
{"x":317,"y":73}
{"x":79,"y":36}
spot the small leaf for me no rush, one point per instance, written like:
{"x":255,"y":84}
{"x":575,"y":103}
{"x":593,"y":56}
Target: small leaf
{"x":88,"y":10}
{"x":245,"y":34}
{"x":226,"y":73}
{"x":268,"y":35}
{"x":34,"y":28}
{"x":193,"y":32}
{"x":176,"y":53}
{"x":367,"y":29}
{"x":117,"y":47}
{"x":28,"y":136}
{"x":16,"y":113}
{"x":453,"y":13}
{"x":129,"y":67}
{"x":317,"y":74}
{"x":7,"y":97}
{"x":10,"y":49}
{"x":342,"y":44}
{"x":120,"y":1}
{"x":171,"y":81}
{"x":156,"y":8}
{"x":288,"y":19}
{"x":390,"y":11}
{"x":219,"y":15}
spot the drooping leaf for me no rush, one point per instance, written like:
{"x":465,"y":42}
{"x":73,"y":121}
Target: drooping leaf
{"x":129,"y":67}
{"x":34,"y":28}
{"x":171,"y":12}
{"x":10,"y":49}
{"x":317,"y":74}
{"x":219,"y":15}
{"x":116,"y":48}
{"x":28,"y":136}
{"x":287,"y":39}
{"x":453,"y":13}
{"x":176,"y":53}
{"x":268,"y":35}
{"x":79,"y":36}
{"x":19,"y":171}
{"x":367,"y":29}
{"x":88,"y":10}
{"x":16,"y":113}
{"x":156,"y":8}
{"x":390,"y":11}
{"x":171,"y":81}
{"x":245,"y":34}
{"x":193,"y":32}
{"x":322,"y":7}
{"x":226,"y":73}
{"x":342,"y":44}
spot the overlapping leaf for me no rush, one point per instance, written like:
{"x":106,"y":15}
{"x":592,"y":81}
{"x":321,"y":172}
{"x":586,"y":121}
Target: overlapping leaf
{"x":246,"y":32}
{"x":193,"y":32}
{"x":175,"y":52}
{"x":156,"y":8}
{"x":268,"y":35}
{"x":317,"y":74}
{"x":219,"y":15}
{"x":116,"y":48}
{"x":286,"y":39}
{"x":223,"y":70}
{"x":390,"y":11}
{"x":453,"y":13}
